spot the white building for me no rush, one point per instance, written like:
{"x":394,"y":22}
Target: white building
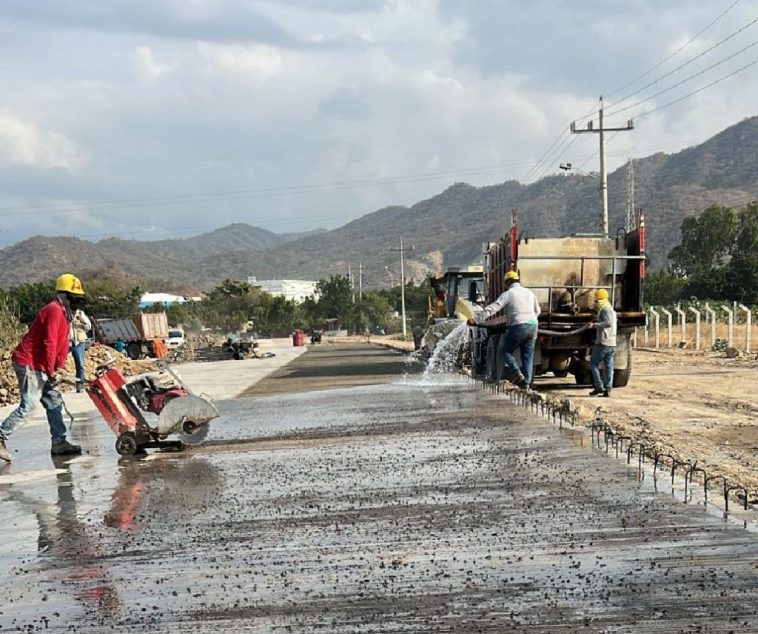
{"x":166,"y":299}
{"x":294,"y":290}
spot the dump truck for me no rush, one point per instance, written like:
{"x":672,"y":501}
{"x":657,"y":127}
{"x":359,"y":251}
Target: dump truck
{"x":564,"y":274}
{"x":138,"y":334}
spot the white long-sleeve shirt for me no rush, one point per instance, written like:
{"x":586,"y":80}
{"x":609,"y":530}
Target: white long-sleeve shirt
{"x":521,"y":306}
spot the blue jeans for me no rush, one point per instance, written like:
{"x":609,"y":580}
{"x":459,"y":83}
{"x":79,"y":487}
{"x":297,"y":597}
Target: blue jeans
{"x":31,"y":384}
{"x":77,"y":352}
{"x":521,"y":337}
{"x":604,"y":354}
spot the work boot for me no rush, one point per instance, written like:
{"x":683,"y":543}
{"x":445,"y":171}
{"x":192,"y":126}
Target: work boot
{"x":5,"y":455}
{"x":79,"y":387}
{"x":65,"y":448}
{"x":597,"y":392}
{"x":521,"y":383}
{"x":607,"y":393}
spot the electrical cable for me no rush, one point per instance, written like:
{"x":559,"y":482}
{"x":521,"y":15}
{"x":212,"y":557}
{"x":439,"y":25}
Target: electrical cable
{"x":685,"y":80}
{"x":676,"y":52}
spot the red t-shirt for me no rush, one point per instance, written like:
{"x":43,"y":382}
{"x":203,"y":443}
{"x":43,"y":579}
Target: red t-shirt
{"x":46,"y":344}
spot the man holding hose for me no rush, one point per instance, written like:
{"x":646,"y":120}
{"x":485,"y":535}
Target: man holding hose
{"x":521,"y":309}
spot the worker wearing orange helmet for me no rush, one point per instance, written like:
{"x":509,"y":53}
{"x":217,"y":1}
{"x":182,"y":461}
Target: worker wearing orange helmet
{"x":36,"y":361}
{"x":522,"y":310}
{"x":605,"y":345}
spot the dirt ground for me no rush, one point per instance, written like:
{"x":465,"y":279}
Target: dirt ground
{"x":699,"y":406}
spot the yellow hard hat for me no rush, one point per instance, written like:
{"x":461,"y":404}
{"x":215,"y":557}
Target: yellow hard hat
{"x":511,"y":276}
{"x":601,"y":294}
{"x":68,"y":283}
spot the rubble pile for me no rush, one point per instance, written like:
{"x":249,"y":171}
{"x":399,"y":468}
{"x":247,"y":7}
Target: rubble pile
{"x":94,"y":357}
{"x":203,"y":347}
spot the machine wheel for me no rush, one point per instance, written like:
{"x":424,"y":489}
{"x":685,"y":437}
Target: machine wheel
{"x":126,"y":444}
{"x":621,"y":377}
{"x":134,"y":351}
{"x":560,"y":373}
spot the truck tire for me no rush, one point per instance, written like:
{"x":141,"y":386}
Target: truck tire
{"x":134,"y":351}
{"x":621,"y":377}
{"x":492,"y":344}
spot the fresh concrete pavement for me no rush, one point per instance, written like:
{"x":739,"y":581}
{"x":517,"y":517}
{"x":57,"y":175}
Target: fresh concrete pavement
{"x":410,"y":504}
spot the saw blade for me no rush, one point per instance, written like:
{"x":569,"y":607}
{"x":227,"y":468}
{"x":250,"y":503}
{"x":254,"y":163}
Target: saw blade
{"x":196,"y":437}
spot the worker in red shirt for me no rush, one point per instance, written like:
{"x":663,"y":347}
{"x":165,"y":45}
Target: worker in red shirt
{"x":36,"y":361}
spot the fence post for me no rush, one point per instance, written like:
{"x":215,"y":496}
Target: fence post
{"x":730,"y":330}
{"x":711,"y":315}
{"x":697,"y":327}
{"x":748,"y":326}
{"x":668,"y":319}
{"x":657,"y":316}
{"x":682,"y":322}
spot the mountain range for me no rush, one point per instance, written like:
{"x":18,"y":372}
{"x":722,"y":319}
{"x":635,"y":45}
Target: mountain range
{"x":445,"y":230}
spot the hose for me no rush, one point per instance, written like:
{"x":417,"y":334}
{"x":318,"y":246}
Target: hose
{"x":556,"y":333}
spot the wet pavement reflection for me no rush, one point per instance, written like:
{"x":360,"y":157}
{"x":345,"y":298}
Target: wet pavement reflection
{"x":422,"y":505}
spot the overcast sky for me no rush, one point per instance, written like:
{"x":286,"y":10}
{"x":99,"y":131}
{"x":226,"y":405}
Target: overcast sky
{"x":165,"y":118}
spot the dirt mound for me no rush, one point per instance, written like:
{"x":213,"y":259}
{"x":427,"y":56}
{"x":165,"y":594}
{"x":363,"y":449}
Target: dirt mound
{"x":94,"y":357}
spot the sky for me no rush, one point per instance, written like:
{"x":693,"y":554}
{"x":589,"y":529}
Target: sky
{"x":151,"y":119}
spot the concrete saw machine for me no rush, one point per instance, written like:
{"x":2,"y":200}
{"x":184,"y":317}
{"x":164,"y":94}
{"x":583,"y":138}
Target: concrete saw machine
{"x":122,"y":402}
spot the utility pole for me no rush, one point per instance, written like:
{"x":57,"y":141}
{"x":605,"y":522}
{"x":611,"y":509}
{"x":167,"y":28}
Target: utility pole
{"x":630,"y":195}
{"x":402,"y":279}
{"x":360,"y":279}
{"x":601,"y":130}
{"x":350,"y":279}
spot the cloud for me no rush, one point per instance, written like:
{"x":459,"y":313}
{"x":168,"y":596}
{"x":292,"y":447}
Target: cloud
{"x":293,"y":110}
{"x":23,"y":143}
{"x":251,"y":61}
{"x":148,"y":67}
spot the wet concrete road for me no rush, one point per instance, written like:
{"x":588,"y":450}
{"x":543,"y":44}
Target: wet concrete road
{"x":411,"y":505}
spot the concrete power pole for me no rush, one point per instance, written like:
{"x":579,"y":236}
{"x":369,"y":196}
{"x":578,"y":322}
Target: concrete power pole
{"x":601,"y":130}
{"x":360,"y":280}
{"x":630,"y":207}
{"x":402,"y":280}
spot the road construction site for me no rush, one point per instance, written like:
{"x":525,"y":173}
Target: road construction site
{"x":345,"y":494}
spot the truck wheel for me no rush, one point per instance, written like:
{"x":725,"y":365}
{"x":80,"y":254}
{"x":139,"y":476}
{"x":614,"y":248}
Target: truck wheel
{"x":621,"y":377}
{"x":492,"y":344}
{"x":134,"y":351}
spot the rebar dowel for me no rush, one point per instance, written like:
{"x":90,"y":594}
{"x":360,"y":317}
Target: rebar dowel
{"x":728,"y":489}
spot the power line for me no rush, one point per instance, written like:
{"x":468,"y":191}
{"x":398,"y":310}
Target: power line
{"x":683,"y":81}
{"x":676,"y":52}
{"x":552,"y":145}
{"x":694,"y":92}
{"x":242,"y":194}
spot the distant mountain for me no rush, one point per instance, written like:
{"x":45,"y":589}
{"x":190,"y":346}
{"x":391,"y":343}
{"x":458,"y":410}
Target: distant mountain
{"x":42,"y":258}
{"x":445,"y":230}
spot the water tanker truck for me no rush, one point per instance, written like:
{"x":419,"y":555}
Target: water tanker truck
{"x":564,"y":274}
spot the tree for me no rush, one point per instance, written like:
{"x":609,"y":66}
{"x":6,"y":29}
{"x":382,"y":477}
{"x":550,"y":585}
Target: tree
{"x":372,"y":311}
{"x":742,"y":271}
{"x":706,"y":245}
{"x":335,"y":297}
{"x":664,"y":288}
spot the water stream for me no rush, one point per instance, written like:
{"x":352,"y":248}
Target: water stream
{"x":445,"y":354}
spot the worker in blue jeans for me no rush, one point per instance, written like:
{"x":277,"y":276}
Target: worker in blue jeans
{"x":522,"y":310}
{"x":605,"y":345}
